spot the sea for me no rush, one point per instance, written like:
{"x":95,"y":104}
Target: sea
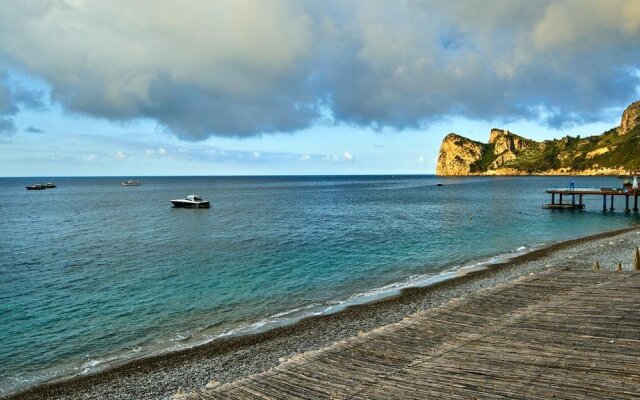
{"x":94,"y":274}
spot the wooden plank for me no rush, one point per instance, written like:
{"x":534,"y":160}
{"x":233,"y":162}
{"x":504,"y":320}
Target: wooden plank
{"x":562,"y":334}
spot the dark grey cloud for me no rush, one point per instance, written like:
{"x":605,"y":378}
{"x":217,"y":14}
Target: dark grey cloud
{"x":7,"y":107}
{"x":33,"y":129}
{"x":7,"y":126}
{"x":194,"y":113}
{"x":29,"y":98}
{"x":243,"y":67}
{"x":7,"y":104}
{"x":12,"y":98}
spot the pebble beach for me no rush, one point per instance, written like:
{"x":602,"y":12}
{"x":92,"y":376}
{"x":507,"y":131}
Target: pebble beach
{"x":226,"y":360}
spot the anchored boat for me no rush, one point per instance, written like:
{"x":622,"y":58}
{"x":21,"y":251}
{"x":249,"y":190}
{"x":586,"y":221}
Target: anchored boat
{"x":192,"y":201}
{"x":37,"y":186}
{"x":41,"y":186}
{"x":130,"y":182}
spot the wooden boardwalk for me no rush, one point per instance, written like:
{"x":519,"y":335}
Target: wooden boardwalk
{"x":562,"y":334}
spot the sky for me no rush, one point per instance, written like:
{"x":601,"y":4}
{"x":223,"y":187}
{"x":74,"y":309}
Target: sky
{"x":288,"y":87}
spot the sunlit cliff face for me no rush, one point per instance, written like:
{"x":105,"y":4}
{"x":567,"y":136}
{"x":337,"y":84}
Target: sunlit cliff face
{"x":611,"y":153}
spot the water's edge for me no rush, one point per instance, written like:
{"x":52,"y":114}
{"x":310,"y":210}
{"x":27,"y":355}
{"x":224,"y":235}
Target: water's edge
{"x":244,"y":339}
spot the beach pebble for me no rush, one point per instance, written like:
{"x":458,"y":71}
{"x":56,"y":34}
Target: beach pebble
{"x":212,"y":383}
{"x":180,"y":394}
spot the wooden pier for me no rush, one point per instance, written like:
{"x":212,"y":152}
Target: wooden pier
{"x":571,"y":334}
{"x":576,"y":197}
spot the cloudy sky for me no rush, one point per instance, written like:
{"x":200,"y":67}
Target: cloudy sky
{"x":300,"y":87}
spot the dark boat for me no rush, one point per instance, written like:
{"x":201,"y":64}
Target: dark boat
{"x":48,"y":185}
{"x":192,"y":201}
{"x":36,"y":187}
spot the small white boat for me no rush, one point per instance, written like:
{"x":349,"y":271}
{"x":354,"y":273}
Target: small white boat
{"x":192,"y":201}
{"x":130,"y":182}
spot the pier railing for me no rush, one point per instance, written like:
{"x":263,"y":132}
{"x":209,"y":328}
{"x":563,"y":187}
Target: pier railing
{"x":577,"y":190}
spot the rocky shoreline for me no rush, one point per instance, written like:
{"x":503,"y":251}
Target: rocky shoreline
{"x":226,"y":360}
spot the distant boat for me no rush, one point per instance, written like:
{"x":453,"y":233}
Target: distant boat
{"x":36,"y":187}
{"x":130,"y":182}
{"x":49,"y":185}
{"x":192,"y":201}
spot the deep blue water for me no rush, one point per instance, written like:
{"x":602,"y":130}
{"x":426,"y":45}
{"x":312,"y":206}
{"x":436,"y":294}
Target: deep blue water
{"x":93,"y":273}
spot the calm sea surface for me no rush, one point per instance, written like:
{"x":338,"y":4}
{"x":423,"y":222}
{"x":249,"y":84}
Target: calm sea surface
{"x":93,"y":273}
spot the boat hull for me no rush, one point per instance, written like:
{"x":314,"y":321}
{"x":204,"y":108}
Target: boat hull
{"x":186,"y":204}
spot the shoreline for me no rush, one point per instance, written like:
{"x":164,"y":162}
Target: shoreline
{"x":231,"y":358}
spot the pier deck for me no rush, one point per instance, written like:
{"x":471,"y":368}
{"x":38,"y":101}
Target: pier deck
{"x":577,"y":194}
{"x":564,"y":334}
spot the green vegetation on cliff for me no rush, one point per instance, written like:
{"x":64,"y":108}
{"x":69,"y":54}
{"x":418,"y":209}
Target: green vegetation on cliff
{"x":488,"y":157}
{"x":608,"y":150}
{"x":625,"y":153}
{"x":612,"y":152}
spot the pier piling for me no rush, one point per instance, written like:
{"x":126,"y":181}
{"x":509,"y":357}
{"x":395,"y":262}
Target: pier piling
{"x":612,"y":208}
{"x":626,"y":203}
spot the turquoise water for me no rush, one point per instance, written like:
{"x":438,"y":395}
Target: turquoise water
{"x":92,"y":273}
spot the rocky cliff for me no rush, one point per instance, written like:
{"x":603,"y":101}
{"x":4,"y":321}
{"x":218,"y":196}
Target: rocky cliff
{"x":630,"y":118}
{"x":613,"y":152}
{"x":457,"y":154}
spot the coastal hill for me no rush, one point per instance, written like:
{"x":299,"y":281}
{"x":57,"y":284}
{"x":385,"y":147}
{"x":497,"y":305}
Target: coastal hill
{"x":613,"y":152}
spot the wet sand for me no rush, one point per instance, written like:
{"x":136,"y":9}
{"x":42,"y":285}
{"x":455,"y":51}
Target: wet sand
{"x":227,"y":360}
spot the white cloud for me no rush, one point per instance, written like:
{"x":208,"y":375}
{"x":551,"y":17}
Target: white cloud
{"x":89,"y":158}
{"x":256,"y":154}
{"x":205,"y":69}
{"x":305,"y":157}
{"x":120,"y":155}
{"x":348,"y":157}
{"x":421,"y":159}
{"x":160,"y":151}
